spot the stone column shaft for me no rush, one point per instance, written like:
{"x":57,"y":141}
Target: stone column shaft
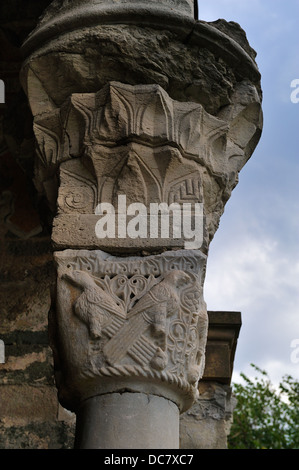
{"x":152,"y":420}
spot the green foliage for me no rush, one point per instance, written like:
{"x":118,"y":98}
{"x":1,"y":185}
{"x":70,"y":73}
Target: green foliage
{"x":265,"y":417}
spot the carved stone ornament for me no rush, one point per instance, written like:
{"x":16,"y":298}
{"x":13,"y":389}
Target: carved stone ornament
{"x":136,"y":324}
{"x":62,"y":15}
{"x":136,"y":100}
{"x":145,"y":102}
{"x":138,"y":142}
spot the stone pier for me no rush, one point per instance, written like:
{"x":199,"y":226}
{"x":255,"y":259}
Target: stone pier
{"x":143,"y":119}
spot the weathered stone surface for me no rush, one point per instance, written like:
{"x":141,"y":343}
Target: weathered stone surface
{"x":18,"y":402}
{"x":138,"y":324}
{"x":33,"y":366}
{"x":99,"y":7}
{"x":152,"y":420}
{"x":37,"y":435}
{"x":89,"y":58}
{"x":60,"y":16}
{"x":224,"y":328}
{"x":210,"y":64}
{"x":201,"y":63}
{"x":203,"y":66}
{"x":28,"y":396}
{"x":26,"y":280}
{"x":25,"y":257}
{"x":206,"y":425}
{"x":138,"y":142}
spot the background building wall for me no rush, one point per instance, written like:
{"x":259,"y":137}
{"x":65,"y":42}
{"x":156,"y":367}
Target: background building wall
{"x":30,"y":416}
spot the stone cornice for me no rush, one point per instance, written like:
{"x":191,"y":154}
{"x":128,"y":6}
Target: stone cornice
{"x":223,"y":333}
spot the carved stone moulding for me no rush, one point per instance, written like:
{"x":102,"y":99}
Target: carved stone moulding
{"x":204,"y":65}
{"x":227,"y":40}
{"x":129,"y":324}
{"x":61,"y":16}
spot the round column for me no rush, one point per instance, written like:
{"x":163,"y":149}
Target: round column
{"x":127,"y":421}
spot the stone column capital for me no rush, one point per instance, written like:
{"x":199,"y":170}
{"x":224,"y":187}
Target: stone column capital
{"x":135,"y":324}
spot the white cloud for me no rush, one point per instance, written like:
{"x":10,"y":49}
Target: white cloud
{"x":246,"y":268}
{"x":253,"y":265}
{"x":276,"y":370}
{"x":253,"y":275}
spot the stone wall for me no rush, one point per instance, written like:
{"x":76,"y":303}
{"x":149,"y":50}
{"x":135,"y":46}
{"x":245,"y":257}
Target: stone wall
{"x":207,"y":424}
{"x":30,"y":416}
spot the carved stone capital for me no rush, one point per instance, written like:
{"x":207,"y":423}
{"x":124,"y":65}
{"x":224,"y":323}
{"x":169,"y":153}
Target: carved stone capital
{"x":138,"y":142}
{"x":157,"y":110}
{"x":135,"y":324}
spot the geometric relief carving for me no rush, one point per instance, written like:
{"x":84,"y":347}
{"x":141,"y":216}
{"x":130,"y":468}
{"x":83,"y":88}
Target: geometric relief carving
{"x":147,"y":175}
{"x":121,"y":113}
{"x":140,"y":173}
{"x":143,"y":113}
{"x":142,"y":317}
{"x":78,"y":190}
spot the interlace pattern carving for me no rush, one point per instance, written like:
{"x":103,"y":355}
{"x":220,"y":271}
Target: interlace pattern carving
{"x":144,"y":317}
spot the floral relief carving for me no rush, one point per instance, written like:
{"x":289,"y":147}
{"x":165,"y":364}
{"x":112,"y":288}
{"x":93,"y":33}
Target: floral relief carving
{"x":135,"y":140}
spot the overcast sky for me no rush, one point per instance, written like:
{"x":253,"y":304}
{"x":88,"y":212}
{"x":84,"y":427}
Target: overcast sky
{"x":253,"y":264}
